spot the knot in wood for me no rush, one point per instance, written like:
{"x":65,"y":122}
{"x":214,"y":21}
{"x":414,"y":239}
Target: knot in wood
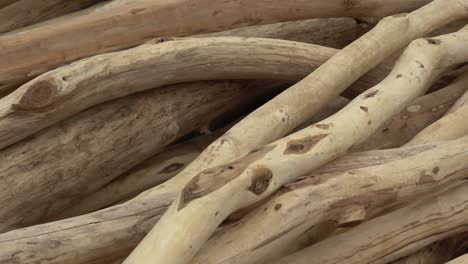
{"x":261,"y":178}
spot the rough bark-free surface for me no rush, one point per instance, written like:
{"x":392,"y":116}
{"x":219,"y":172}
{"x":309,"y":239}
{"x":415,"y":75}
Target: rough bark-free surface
{"x":60,"y":93}
{"x":46,"y":173}
{"x":460,"y":260}
{"x":417,"y":116}
{"x":145,"y":175}
{"x":133,"y":24}
{"x":117,"y":230}
{"x":26,"y":12}
{"x":346,"y":192}
{"x":396,"y":234}
{"x":178,"y":235}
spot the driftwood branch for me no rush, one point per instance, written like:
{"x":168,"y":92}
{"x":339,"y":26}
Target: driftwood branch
{"x":48,"y":172}
{"x":85,"y":36}
{"x":395,"y":234}
{"x":253,"y":177}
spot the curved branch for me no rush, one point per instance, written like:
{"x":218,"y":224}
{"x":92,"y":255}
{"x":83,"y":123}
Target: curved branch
{"x":65,"y":91}
{"x":194,"y":216}
{"x":141,"y":21}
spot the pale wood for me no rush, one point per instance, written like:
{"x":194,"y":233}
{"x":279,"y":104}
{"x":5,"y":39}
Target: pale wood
{"x":422,"y":112}
{"x":451,"y":126}
{"x":345,"y":194}
{"x":133,"y":24}
{"x":460,"y":260}
{"x":26,"y":12}
{"x":117,"y":230}
{"x":65,"y":91}
{"x":394,"y":234}
{"x":194,"y":216}
{"x":48,"y":172}
{"x":144,"y":176}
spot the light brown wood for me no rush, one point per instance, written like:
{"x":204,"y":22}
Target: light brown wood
{"x":65,"y":91}
{"x":144,"y":176}
{"x":26,"y":12}
{"x":422,"y":112}
{"x":48,"y":172}
{"x":4,"y":3}
{"x":118,"y":229}
{"x":460,"y":260}
{"x":133,"y":24}
{"x":253,"y":177}
{"x":395,"y":234}
{"x":348,"y":191}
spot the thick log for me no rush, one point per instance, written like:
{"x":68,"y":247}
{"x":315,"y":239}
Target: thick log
{"x":133,"y":24}
{"x":422,"y":112}
{"x":335,"y":32}
{"x":26,"y":12}
{"x":348,"y":196}
{"x":65,"y":91}
{"x":396,"y":234}
{"x":144,"y":176}
{"x":117,"y":230}
{"x":46,"y":173}
{"x":256,"y":175}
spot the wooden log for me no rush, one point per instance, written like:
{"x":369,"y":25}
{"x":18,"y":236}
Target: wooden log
{"x":48,"y":172}
{"x":396,"y":234}
{"x":347,"y":195}
{"x":133,"y":24}
{"x":253,"y":177}
{"x":144,"y":176}
{"x":26,"y":12}
{"x":418,"y":115}
{"x":65,"y":91}
{"x":117,"y":230}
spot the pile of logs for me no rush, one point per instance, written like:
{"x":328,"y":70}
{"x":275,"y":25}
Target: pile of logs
{"x":233,"y":131}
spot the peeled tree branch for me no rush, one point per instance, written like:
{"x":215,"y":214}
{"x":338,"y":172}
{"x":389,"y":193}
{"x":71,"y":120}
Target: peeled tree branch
{"x":460,"y":260}
{"x":45,"y":174}
{"x":194,"y":216}
{"x":133,"y":24}
{"x":421,"y":113}
{"x":65,"y":91}
{"x":395,"y":234}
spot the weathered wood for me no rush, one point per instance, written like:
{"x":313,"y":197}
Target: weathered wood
{"x":418,"y":115}
{"x":144,"y":176}
{"x":253,"y":177}
{"x":395,"y":234}
{"x":4,"y":3}
{"x":460,"y":260}
{"x":133,"y":24}
{"x":49,"y":171}
{"x":26,"y":12}
{"x":349,"y":192}
{"x":65,"y":91}
{"x":117,"y":230}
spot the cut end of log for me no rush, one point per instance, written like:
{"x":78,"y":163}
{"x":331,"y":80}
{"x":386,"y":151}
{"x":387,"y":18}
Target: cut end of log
{"x":39,"y":95}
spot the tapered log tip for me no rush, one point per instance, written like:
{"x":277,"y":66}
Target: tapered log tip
{"x":39,"y":94}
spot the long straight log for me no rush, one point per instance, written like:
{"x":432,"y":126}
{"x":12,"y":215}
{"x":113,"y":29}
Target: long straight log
{"x":395,"y":234}
{"x":133,"y":24}
{"x":245,"y":181}
{"x":26,"y":12}
{"x":65,"y":91}
{"x":48,"y":172}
